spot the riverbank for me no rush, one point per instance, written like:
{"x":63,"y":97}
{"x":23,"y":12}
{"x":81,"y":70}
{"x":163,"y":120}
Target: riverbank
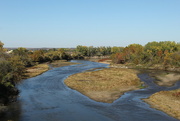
{"x":41,"y":68}
{"x":61,"y":63}
{"x":166,"y":101}
{"x":8,"y":94}
{"x":30,"y":72}
{"x":145,"y":66}
{"x":35,"y":70}
{"x":104,"y":85}
{"x":165,"y":77}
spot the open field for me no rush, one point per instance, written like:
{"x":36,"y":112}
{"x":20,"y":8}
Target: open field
{"x":104,"y":85}
{"x":167,"y":101}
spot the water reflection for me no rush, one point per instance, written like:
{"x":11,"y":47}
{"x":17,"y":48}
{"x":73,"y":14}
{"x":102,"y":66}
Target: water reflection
{"x":13,"y":113}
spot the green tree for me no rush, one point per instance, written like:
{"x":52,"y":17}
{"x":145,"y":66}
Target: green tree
{"x":1,"y":45}
{"x":83,"y":50}
{"x":23,"y":53}
{"x":38,"y":56}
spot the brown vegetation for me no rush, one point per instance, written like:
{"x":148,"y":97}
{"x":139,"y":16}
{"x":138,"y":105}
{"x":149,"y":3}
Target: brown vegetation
{"x":36,"y":70}
{"x":104,"y":85}
{"x":41,"y":68}
{"x":105,"y":60}
{"x":60,"y":63}
{"x":167,"y":101}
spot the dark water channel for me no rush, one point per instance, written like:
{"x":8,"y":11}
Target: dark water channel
{"x":46,"y":98}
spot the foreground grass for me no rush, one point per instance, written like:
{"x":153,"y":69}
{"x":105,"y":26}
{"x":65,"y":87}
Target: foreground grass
{"x":167,"y":101}
{"x":104,"y":85}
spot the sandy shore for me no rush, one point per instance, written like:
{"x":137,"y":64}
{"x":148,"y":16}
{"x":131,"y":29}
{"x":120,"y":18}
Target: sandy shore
{"x":167,"y":79}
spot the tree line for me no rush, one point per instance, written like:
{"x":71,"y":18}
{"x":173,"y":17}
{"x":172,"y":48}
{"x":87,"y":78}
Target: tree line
{"x":96,"y":51}
{"x":166,"y":53}
{"x":13,"y":65}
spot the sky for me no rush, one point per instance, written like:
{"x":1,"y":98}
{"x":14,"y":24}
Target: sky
{"x":68,"y":23}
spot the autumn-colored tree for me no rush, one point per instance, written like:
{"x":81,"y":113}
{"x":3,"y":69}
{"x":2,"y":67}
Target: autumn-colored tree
{"x":165,"y":52}
{"x":175,"y":58}
{"x":118,"y":58}
{"x":160,"y":52}
{"x":134,"y":53}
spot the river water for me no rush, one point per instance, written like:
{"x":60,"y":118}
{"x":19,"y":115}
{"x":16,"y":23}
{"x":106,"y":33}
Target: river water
{"x":47,"y":98}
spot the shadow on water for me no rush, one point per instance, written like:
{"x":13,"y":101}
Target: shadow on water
{"x":13,"y":112}
{"x":47,"y":98}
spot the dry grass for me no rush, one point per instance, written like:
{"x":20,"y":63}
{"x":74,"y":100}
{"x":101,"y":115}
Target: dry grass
{"x":36,"y":70}
{"x":167,"y":101}
{"x":41,"y":68}
{"x":60,"y":63}
{"x":104,"y":85}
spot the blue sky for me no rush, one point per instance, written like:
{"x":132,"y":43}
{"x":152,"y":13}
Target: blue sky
{"x":68,"y":23}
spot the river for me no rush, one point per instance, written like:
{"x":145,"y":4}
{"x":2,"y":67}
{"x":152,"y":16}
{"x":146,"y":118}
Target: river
{"x":47,"y":98}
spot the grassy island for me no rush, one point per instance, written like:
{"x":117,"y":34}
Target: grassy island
{"x":104,"y":85}
{"x":167,"y":101}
